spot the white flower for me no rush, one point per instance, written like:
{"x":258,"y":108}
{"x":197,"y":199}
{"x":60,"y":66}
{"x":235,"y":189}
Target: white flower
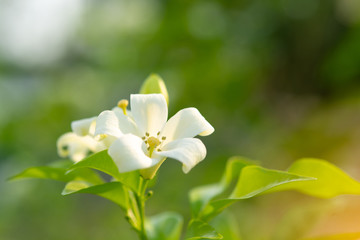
{"x":80,"y":143}
{"x":143,"y":137}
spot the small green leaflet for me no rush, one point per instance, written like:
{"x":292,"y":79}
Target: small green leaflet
{"x":201,"y":230}
{"x":227,"y":225}
{"x":164,"y":226}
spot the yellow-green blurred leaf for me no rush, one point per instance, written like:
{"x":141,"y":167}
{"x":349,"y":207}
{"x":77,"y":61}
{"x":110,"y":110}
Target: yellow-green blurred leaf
{"x":314,"y":177}
{"x":331,"y":180}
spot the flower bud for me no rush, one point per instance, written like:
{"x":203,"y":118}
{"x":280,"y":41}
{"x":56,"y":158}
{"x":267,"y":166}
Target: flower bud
{"x":154,"y":84}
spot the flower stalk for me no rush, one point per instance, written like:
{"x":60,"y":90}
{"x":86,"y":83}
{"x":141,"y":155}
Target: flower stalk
{"x":140,"y":201}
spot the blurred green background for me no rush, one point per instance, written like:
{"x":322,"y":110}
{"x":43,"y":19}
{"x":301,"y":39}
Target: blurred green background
{"x":278,"y":79}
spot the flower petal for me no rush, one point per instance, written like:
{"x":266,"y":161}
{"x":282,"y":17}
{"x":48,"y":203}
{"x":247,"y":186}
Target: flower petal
{"x":189,"y":151}
{"x":186,"y":123}
{"x":128,"y":155}
{"x":126,"y":122}
{"x":76,"y":147}
{"x":114,"y":123}
{"x":108,"y":123}
{"x":149,"y":111}
{"x":83,"y":127}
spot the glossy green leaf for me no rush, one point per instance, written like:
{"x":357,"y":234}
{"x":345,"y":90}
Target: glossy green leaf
{"x":103,"y":162}
{"x":201,"y":230}
{"x":345,"y":236}
{"x":113,"y":191}
{"x":58,"y":174}
{"x":253,"y":180}
{"x":331,"y":180}
{"x":155,"y":84}
{"x":164,"y":226}
{"x":311,"y":176}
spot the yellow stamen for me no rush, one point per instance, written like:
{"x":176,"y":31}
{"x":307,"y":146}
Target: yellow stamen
{"x":123,"y":105}
{"x":101,"y":137}
{"x":152,"y":142}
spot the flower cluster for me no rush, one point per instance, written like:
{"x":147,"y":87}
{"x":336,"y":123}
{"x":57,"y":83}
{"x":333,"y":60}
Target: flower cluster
{"x":140,"y":138}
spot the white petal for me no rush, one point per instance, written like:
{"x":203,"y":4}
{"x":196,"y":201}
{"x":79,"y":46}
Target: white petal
{"x":119,"y":110}
{"x":114,"y":123}
{"x":128,"y":154}
{"x":189,"y":151}
{"x":149,"y":111}
{"x":127,"y":123}
{"x":186,"y":123}
{"x":82,"y":127}
{"x":107,"y":123}
{"x":76,"y":147}
{"x":107,"y":141}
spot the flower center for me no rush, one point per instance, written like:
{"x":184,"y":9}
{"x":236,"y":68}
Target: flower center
{"x":152,"y":142}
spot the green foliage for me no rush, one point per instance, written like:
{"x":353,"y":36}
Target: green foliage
{"x":113,"y":191}
{"x":310,"y":176}
{"x":331,"y":181}
{"x":103,"y":162}
{"x":164,"y":226}
{"x":155,"y":84}
{"x":198,"y":229}
{"x":58,"y":174}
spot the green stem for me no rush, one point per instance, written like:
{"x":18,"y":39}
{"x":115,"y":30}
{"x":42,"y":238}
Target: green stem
{"x":140,"y":200}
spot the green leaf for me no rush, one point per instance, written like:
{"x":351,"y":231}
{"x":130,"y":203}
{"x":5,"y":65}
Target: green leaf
{"x":201,"y":230}
{"x":253,"y":180}
{"x":164,"y":226}
{"x":155,"y":84}
{"x":310,"y":176}
{"x":63,"y":163}
{"x":331,"y":181}
{"x":113,"y":191}
{"x":103,"y":162}
{"x":200,"y":196}
{"x":345,"y":236}
{"x":58,"y":174}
